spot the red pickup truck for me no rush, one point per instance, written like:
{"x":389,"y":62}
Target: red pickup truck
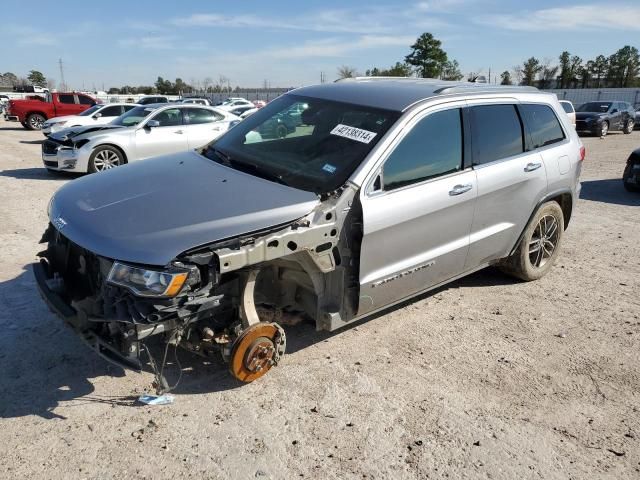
{"x":32,"y":113}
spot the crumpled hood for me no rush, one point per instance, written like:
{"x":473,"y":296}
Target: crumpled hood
{"x":151,"y":211}
{"x":586,"y":115}
{"x":81,"y":132}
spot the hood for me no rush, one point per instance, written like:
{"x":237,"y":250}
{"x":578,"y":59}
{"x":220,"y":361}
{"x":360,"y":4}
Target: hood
{"x":76,"y":133}
{"x":64,"y":118}
{"x":151,"y":211}
{"x":586,"y":115}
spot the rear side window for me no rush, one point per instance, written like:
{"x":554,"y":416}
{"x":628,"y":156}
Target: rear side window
{"x":496,"y":133}
{"x":66,"y":99}
{"x":567,"y":107}
{"x":432,"y":148}
{"x":543,"y":125}
{"x":85,"y":100}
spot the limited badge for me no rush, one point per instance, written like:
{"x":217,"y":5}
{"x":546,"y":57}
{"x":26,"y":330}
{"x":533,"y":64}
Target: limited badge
{"x":329,"y":168}
{"x":353,"y":133}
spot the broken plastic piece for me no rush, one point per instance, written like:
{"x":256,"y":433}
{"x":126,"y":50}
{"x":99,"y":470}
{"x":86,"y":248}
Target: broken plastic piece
{"x":156,"y":399}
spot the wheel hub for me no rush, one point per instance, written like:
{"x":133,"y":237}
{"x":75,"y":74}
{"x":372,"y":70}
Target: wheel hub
{"x":256,"y":350}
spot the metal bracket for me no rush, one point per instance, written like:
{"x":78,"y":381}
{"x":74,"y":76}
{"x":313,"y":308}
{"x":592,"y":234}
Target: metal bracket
{"x":248,"y":313}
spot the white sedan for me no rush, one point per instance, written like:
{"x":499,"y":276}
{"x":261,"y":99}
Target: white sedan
{"x":96,"y":115}
{"x":143,"y":132}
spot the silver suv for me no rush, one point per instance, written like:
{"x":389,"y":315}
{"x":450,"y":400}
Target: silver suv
{"x":378,"y":190}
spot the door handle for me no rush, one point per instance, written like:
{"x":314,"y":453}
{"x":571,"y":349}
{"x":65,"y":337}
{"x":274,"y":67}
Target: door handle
{"x":532,"y":166}
{"x":460,"y":189}
{"x":179,"y":132}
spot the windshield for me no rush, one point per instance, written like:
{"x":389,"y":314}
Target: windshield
{"x":306,"y":143}
{"x":90,"y":111}
{"x":133,"y":116}
{"x":600,"y":107}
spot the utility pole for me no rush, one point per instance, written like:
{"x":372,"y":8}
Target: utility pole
{"x":323,"y":78}
{"x":64,"y":85}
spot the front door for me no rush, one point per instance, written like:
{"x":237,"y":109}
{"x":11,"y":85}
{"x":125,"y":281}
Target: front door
{"x":417,"y":211}
{"x":169,"y":137}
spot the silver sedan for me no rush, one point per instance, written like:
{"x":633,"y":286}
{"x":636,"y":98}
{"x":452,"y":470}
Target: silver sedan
{"x":143,"y":132}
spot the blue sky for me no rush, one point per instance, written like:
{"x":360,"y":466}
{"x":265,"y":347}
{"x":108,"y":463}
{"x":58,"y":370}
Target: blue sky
{"x":289,"y":43}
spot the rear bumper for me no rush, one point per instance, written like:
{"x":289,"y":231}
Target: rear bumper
{"x":72,"y":319}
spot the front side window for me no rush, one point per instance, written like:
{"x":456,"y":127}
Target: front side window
{"x":543,"y":124}
{"x":195,"y":116}
{"x":169,"y":117}
{"x":432,"y":148}
{"x":496,"y":133}
{"x":86,"y":100}
{"x":317,"y":150}
{"x":68,"y":99}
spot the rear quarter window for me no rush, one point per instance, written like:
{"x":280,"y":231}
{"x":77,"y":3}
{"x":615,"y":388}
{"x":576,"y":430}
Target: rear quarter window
{"x":66,"y":99}
{"x":543,"y":125}
{"x":567,"y":107}
{"x":496,"y":133}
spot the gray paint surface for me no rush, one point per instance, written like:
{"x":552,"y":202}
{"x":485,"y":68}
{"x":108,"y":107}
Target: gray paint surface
{"x":149,"y":212}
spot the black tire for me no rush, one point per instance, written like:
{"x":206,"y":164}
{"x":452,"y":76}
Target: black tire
{"x":35,"y":121}
{"x":629,"y":187}
{"x":603,"y":129}
{"x":528,"y":262}
{"x":105,"y":158}
{"x":628,"y":127}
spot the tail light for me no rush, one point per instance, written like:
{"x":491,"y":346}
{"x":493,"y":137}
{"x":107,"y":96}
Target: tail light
{"x":583,"y":153}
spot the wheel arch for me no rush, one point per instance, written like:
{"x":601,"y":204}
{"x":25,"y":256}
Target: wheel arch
{"x":562,"y":197}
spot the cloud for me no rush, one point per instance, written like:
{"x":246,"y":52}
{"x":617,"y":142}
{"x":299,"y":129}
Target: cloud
{"x":442,"y":6}
{"x":608,"y":17}
{"x":371,"y":20}
{"x":151,"y":42}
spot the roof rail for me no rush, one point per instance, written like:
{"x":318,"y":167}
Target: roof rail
{"x":483,"y":87}
{"x":415,"y":79}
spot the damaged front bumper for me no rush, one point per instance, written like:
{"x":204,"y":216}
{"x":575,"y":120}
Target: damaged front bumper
{"x":72,"y":318}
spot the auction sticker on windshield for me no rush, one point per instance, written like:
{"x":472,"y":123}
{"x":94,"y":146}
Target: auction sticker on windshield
{"x":353,"y":133}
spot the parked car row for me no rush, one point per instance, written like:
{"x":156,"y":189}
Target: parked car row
{"x":141,"y":132}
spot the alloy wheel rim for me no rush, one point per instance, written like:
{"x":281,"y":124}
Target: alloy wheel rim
{"x":544,"y":241}
{"x":36,"y":121}
{"x":105,"y":160}
{"x":605,"y":129}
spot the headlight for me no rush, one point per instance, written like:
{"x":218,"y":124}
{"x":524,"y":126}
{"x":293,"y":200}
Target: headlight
{"x":81,"y":143}
{"x":147,"y":283}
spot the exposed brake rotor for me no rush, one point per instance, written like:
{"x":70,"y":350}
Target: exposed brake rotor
{"x":256,"y":350}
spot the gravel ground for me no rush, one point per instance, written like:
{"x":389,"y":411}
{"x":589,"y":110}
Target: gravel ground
{"x":486,"y":378}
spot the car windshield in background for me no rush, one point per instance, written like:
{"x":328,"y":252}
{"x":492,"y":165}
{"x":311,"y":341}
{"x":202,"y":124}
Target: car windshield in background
{"x":90,"y":111}
{"x":600,"y":107}
{"x":133,"y":116}
{"x":306,"y":143}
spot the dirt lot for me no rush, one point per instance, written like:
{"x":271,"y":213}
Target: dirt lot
{"x":487,"y":378}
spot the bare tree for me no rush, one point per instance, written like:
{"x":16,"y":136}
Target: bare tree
{"x":345,"y":71}
{"x":517,"y":73}
{"x":206,"y":84}
{"x":547,"y":73}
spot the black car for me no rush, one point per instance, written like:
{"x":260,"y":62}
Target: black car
{"x":599,"y":118}
{"x":631,"y":175}
{"x":148,"y":100}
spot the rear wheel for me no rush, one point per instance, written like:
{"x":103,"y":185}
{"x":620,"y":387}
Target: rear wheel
{"x":281,"y":131}
{"x":105,"y":158}
{"x":539,"y":246}
{"x":628,"y":127}
{"x":35,"y":121}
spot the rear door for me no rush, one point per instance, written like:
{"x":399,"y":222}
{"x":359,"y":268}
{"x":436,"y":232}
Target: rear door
{"x":169,"y":137}
{"x":417,"y":210}
{"x":203,"y":125}
{"x":66,"y":105}
{"x":511,"y":180}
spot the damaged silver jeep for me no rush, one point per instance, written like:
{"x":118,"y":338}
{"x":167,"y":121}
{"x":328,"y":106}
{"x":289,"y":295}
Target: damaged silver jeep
{"x":330,"y":203}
